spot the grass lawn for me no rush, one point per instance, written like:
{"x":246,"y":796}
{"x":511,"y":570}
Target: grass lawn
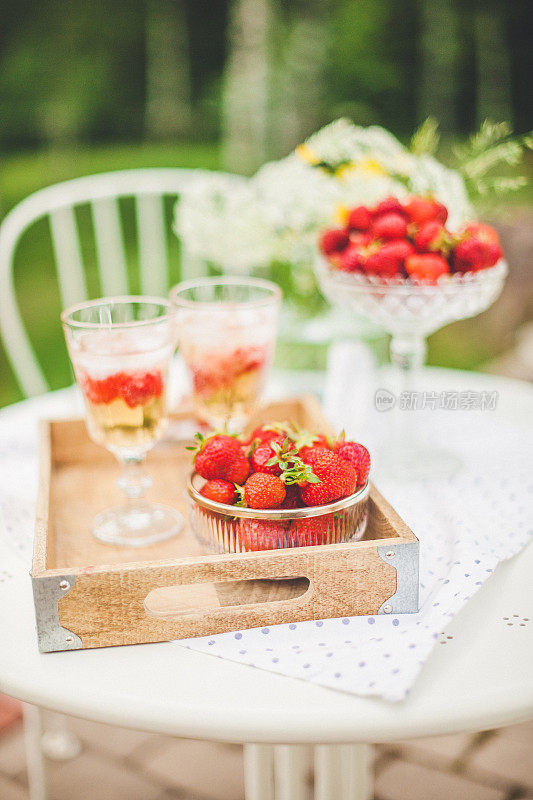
{"x":36,"y":285}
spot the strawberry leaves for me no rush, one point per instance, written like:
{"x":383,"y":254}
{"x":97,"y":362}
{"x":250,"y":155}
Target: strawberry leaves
{"x":293,"y":469}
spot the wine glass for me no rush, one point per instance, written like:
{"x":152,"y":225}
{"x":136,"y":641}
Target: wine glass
{"x":121,"y":349}
{"x":410,"y":312}
{"x":227,"y":331}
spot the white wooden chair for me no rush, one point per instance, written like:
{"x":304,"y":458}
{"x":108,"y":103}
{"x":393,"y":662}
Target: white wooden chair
{"x":58,"y":203}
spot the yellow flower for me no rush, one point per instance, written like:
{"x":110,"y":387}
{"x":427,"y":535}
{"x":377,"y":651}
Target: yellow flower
{"x":305,"y":153}
{"x":341,"y":214}
{"x":372,"y":166}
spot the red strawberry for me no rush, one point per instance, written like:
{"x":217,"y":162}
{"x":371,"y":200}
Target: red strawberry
{"x":359,"y":219}
{"x":258,"y":534}
{"x":330,"y":469}
{"x":397,"y":250}
{"x":216,"y":455}
{"x":494,"y":253}
{"x":263,"y":453}
{"x":320,"y":440}
{"x":424,"y":209}
{"x":360,"y":239}
{"x":358,"y":456}
{"x":470,"y":255}
{"x":292,"y":497}
{"x":388,"y":206}
{"x":262,"y":490}
{"x":104,"y":390}
{"x":350,"y":477}
{"x":352,"y":259}
{"x":486,"y":233}
{"x":431,"y":237}
{"x":219,"y":491}
{"x":389,"y":226}
{"x":264,"y":433}
{"x":382,"y":262}
{"x":312,"y":531}
{"x":333,"y":241}
{"x":238,"y":471}
{"x":426,"y":267}
{"x":138,"y":389}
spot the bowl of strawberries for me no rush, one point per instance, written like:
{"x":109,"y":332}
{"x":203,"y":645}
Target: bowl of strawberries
{"x":280,"y":487}
{"x":399,"y":265}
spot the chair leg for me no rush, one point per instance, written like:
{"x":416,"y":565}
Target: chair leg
{"x":58,"y":742}
{"x":33,"y":728}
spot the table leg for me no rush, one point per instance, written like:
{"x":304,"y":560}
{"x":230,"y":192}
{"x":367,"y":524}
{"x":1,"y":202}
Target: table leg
{"x":342,"y":772}
{"x":258,"y":771}
{"x":290,"y":776}
{"x":58,"y":742}
{"x":33,"y":728}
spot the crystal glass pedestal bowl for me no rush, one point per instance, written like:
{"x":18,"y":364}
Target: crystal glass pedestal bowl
{"x":232,"y":529}
{"x":410,"y":312}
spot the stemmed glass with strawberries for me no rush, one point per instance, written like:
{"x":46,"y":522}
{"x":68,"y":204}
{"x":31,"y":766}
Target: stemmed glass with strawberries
{"x":280,"y":487}
{"x":398,"y":265}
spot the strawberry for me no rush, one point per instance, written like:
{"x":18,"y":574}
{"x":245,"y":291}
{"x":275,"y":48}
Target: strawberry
{"x":104,"y":390}
{"x":423,"y":209}
{"x":470,"y":255}
{"x":292,"y":497}
{"x":395,"y":252}
{"x":332,"y":476}
{"x":262,"y":490}
{"x":484,"y":233}
{"x":381,"y":262}
{"x":426,"y":267}
{"x":358,"y":456}
{"x":312,"y":531}
{"x":360,"y":239}
{"x":138,"y":389}
{"x":258,"y":534}
{"x":494,"y":253}
{"x":238,"y":471}
{"x":351,"y":259}
{"x":264,"y":453}
{"x":216,"y":454}
{"x":390,"y":205}
{"x":432,"y":237}
{"x":219,"y":491}
{"x":333,"y":241}
{"x":359,"y":219}
{"x":389,"y":226}
{"x":350,"y":475}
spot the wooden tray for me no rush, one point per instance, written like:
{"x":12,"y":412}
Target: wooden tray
{"x":89,"y":594}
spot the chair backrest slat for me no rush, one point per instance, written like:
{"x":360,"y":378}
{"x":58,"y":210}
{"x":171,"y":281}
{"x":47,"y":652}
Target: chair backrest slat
{"x":68,"y":256}
{"x":152,"y":244}
{"x":103,"y":192}
{"x":110,"y":247}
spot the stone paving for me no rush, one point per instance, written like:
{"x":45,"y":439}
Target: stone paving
{"x":119,"y":764}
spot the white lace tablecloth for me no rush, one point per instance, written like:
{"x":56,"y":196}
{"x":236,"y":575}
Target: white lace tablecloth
{"x":466,"y":524}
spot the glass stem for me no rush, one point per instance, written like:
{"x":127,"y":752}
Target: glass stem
{"x":407,"y":353}
{"x":133,"y":480}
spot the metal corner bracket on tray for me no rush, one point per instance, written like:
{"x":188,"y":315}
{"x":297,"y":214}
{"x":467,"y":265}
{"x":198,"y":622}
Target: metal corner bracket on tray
{"x":404,"y":558}
{"x":47,"y":592}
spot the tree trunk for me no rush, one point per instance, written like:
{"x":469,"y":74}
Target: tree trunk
{"x":168,"y":111}
{"x":246,"y":90}
{"x":439,"y":67}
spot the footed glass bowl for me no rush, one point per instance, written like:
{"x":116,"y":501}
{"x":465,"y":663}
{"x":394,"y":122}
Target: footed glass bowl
{"x":232,"y":529}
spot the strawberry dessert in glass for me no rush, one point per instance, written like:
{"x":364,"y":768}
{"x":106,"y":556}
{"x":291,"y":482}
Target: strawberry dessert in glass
{"x":121,"y":349}
{"x":227,"y":330}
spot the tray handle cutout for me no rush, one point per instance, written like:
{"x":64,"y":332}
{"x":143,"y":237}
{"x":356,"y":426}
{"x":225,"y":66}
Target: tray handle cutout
{"x":170,"y":602}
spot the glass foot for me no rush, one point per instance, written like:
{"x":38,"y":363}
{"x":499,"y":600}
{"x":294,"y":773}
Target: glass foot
{"x":417,"y":463}
{"x":137,"y":527}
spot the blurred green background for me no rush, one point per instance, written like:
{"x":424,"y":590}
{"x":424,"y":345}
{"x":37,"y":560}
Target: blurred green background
{"x":87,"y":88}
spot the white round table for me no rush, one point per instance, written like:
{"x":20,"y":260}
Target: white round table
{"x":482,"y":678}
